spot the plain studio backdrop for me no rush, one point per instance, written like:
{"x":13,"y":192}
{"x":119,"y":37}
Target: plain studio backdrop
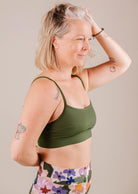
{"x":115,"y":137}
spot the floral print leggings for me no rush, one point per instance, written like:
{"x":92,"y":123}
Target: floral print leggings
{"x":52,"y":180}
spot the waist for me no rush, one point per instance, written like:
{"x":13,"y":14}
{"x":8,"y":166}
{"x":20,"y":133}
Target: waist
{"x":72,"y":156}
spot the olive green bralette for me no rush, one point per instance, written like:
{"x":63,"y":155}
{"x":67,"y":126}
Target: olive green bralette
{"x":72,"y":126}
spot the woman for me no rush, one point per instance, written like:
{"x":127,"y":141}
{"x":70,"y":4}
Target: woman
{"x":54,"y":130}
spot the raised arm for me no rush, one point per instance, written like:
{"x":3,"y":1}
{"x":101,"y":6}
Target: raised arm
{"x":39,"y":105}
{"x":118,"y":63}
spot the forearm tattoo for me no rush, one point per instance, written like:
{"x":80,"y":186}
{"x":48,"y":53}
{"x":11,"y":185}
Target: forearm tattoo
{"x":20,"y":129}
{"x":112,"y":67}
{"x":57,"y":94}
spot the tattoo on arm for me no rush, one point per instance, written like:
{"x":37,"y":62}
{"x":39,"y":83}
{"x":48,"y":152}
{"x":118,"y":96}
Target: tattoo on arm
{"x":20,"y":129}
{"x":112,"y":68}
{"x":57,"y":94}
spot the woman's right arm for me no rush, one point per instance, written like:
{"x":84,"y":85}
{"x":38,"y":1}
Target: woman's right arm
{"x":39,"y":105}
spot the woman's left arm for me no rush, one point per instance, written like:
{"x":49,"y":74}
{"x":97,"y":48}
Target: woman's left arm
{"x":118,"y":63}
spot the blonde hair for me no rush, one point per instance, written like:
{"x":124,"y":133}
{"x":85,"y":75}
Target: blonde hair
{"x":56,"y":22}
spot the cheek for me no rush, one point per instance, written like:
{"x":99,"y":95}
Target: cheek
{"x":71,"y":49}
{"x":75,"y":48}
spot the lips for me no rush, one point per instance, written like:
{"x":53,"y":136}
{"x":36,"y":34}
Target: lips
{"x":82,"y":55}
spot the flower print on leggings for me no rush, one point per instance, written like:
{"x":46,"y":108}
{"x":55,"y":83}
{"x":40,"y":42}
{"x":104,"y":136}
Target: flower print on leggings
{"x":58,"y":175}
{"x":59,"y":190}
{"x":52,"y":180}
{"x":69,"y":172}
{"x":43,"y":186}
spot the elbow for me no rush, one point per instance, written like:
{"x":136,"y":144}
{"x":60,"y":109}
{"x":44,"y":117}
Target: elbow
{"x":19,"y":157}
{"x":15,"y":155}
{"x":23,"y":156}
{"x":126,"y":61}
{"x":126,"y":65}
{"x":129,"y":62}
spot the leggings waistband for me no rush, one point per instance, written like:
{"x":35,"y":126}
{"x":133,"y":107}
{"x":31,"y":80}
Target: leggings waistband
{"x":44,"y":165}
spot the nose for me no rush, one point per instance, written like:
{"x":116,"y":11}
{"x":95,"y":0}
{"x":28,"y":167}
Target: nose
{"x":86,"y":45}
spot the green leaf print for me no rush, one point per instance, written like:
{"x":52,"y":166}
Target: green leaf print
{"x":61,"y":183}
{"x":90,"y":174}
{"x":80,"y":179}
{"x":49,"y":168}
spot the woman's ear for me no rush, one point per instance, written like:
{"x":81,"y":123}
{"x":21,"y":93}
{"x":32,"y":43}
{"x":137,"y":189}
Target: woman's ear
{"x":55,"y":42}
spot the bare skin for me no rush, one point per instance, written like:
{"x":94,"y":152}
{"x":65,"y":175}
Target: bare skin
{"x":70,"y":51}
{"x":76,"y":155}
{"x":72,"y":156}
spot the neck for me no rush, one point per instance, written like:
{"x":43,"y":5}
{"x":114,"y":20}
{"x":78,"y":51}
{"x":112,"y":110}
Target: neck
{"x":64,"y":73}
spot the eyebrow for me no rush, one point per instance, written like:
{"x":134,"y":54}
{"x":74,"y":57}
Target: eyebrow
{"x":83,"y":35}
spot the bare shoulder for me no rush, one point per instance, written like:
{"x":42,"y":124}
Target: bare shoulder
{"x":42,"y":88}
{"x":40,"y":102}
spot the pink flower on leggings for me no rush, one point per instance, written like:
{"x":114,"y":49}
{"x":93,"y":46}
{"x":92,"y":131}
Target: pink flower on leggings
{"x":43,"y":186}
{"x":83,"y":171}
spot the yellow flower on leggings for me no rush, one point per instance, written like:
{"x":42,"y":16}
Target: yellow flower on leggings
{"x":79,"y":187}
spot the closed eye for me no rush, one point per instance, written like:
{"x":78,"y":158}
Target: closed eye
{"x":83,"y":39}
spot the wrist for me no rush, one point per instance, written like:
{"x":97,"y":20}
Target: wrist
{"x":96,"y":34}
{"x":95,"y":29}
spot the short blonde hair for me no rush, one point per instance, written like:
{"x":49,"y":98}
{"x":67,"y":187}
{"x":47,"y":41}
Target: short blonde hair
{"x":56,"y":22}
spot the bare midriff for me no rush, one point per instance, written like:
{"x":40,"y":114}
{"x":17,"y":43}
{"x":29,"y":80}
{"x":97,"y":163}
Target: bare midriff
{"x":71,"y":156}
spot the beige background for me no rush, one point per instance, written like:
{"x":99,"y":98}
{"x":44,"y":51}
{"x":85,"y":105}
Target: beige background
{"x":114,"y":151}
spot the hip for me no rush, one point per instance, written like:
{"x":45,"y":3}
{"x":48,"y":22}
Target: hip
{"x":53,"y":179}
